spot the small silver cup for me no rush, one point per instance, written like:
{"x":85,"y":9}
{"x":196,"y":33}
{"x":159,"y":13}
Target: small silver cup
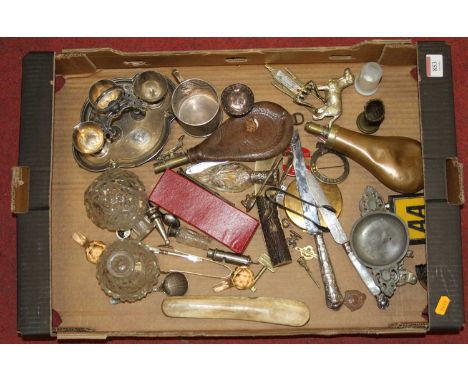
{"x":104,"y":96}
{"x":150,"y":86}
{"x":196,"y":106}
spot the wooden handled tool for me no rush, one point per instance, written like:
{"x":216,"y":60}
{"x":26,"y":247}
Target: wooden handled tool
{"x":273,"y":233}
{"x":261,"y":309}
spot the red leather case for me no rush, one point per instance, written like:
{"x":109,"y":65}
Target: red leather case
{"x":197,"y":207}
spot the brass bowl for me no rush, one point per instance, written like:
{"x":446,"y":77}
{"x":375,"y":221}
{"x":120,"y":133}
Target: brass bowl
{"x":103,"y":94}
{"x":150,"y":86}
{"x":237,"y":100}
{"x":88,"y":137}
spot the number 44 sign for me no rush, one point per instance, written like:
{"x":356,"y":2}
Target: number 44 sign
{"x":411,"y":208}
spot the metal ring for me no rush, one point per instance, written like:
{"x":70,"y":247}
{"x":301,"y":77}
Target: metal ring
{"x":298,"y":119}
{"x":322,"y":150}
{"x":122,"y":235}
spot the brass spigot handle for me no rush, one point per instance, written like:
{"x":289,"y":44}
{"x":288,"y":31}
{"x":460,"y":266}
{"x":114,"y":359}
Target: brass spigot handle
{"x":315,"y":129}
{"x":175,"y":161}
{"x":327,"y":135}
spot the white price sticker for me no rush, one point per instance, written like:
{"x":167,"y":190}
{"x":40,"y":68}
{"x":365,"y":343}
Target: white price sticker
{"x":434,"y":65}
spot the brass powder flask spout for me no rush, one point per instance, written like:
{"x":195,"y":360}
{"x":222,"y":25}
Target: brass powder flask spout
{"x":394,"y":161}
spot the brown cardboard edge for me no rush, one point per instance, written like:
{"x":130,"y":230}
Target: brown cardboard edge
{"x":86,"y":61}
{"x":77,"y":63}
{"x":79,"y":333}
{"x":397,"y":54}
{"x":52,"y":329}
{"x":71,"y":52}
{"x":455,"y":190}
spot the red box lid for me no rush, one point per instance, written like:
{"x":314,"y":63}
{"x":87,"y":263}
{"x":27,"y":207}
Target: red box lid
{"x":203,"y":210}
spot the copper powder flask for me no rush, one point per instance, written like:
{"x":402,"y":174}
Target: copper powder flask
{"x":394,"y":161}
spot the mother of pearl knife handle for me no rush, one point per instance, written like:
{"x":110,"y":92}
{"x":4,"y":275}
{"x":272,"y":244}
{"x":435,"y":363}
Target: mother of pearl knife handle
{"x":261,"y":309}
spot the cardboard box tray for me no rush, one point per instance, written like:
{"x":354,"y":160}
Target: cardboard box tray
{"x":58,"y":292}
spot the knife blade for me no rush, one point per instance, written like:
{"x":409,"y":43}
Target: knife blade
{"x":199,"y":167}
{"x":333,"y":296}
{"x":319,"y":198}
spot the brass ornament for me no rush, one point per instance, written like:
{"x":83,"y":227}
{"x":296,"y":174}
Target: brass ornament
{"x":307,"y":252}
{"x":293,"y":237}
{"x":265,"y":261}
{"x":329,"y":94}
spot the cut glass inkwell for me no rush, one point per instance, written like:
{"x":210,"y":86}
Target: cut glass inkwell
{"x":117,"y":201}
{"x":127,"y":271}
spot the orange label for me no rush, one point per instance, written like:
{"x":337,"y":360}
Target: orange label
{"x":442,"y":305}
